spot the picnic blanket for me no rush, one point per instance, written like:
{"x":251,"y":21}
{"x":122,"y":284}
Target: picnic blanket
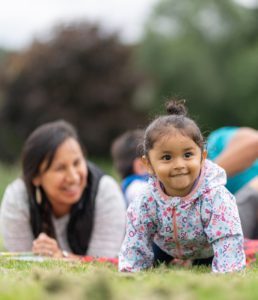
{"x":250,"y":248}
{"x":251,"y":251}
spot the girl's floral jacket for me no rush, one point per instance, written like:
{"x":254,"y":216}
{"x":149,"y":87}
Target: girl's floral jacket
{"x":205,"y":223}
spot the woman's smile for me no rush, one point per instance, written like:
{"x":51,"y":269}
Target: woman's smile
{"x":65,"y":180}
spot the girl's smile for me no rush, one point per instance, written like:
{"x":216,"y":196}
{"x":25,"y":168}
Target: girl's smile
{"x":176,"y":160}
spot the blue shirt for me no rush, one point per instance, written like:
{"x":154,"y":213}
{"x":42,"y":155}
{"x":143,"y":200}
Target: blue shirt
{"x":217,"y":141}
{"x":132,"y":180}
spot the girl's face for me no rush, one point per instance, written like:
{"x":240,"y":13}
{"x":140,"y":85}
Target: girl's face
{"x":64,"y":181}
{"x":176,"y":161}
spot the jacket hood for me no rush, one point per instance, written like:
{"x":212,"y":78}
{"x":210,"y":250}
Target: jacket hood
{"x":211,"y":176}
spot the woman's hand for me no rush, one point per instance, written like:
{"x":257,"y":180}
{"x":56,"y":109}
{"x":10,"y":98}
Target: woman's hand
{"x":44,"y":245}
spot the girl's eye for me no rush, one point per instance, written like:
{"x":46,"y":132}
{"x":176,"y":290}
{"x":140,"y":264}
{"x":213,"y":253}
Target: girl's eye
{"x":166,"y":157}
{"x":188,"y":154}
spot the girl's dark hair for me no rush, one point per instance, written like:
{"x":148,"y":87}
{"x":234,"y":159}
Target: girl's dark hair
{"x":41,"y":146}
{"x":177,"y":118}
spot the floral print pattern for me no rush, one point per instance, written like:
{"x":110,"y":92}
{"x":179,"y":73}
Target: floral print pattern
{"x":205,"y":223}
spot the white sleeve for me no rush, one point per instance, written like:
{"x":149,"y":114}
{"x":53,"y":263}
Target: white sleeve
{"x":135,"y":189}
{"x":15,"y":218}
{"x":109,"y":220}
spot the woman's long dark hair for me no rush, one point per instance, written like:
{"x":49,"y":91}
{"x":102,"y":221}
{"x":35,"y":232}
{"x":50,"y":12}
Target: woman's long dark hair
{"x":41,"y":146}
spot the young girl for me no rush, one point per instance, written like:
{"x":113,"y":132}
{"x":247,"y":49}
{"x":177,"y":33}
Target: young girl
{"x":186,"y":210}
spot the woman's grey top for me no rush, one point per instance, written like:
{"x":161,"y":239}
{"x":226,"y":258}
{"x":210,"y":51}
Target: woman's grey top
{"x":109,"y":220}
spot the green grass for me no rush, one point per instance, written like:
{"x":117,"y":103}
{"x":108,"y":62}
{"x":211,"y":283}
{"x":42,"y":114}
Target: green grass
{"x":63,"y":280}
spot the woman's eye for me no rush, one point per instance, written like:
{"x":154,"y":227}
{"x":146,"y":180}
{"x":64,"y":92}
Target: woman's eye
{"x":188,"y":154}
{"x":59,"y":168}
{"x":166,"y":157}
{"x":77,"y":162}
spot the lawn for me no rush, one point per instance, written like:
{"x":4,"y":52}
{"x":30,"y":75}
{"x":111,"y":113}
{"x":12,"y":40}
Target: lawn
{"x":52,"y":279}
{"x":65,"y":280}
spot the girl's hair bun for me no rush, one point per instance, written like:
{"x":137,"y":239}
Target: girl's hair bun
{"x":176,"y":107}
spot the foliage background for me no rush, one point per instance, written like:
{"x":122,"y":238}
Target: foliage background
{"x":207,"y":52}
{"x":81,"y":75}
{"x":204,"y":51}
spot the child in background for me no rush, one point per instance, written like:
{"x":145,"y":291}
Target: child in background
{"x":126,"y":153}
{"x":186,"y":209}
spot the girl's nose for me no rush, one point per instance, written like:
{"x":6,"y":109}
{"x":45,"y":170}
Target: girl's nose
{"x":178,"y":163}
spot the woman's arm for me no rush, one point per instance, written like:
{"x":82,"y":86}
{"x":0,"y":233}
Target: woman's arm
{"x":16,"y":229}
{"x":15,"y":218}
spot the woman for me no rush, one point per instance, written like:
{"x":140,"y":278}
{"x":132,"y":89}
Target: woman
{"x":64,"y":206}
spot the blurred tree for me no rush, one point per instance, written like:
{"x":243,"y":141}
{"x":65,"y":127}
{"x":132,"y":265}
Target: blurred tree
{"x":81,"y":75}
{"x":3,"y":53}
{"x":207,"y":52}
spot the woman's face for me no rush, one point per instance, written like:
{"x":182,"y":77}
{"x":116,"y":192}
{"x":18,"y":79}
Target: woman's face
{"x":64,"y":181}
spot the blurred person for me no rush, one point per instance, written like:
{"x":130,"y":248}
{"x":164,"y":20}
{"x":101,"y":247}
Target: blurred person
{"x":64,"y":205}
{"x":236,"y":150}
{"x":126,"y":152}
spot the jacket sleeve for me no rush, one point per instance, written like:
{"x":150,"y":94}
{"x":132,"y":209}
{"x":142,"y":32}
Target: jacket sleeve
{"x":15,"y":218}
{"x":136,"y":253}
{"x":223,"y":228}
